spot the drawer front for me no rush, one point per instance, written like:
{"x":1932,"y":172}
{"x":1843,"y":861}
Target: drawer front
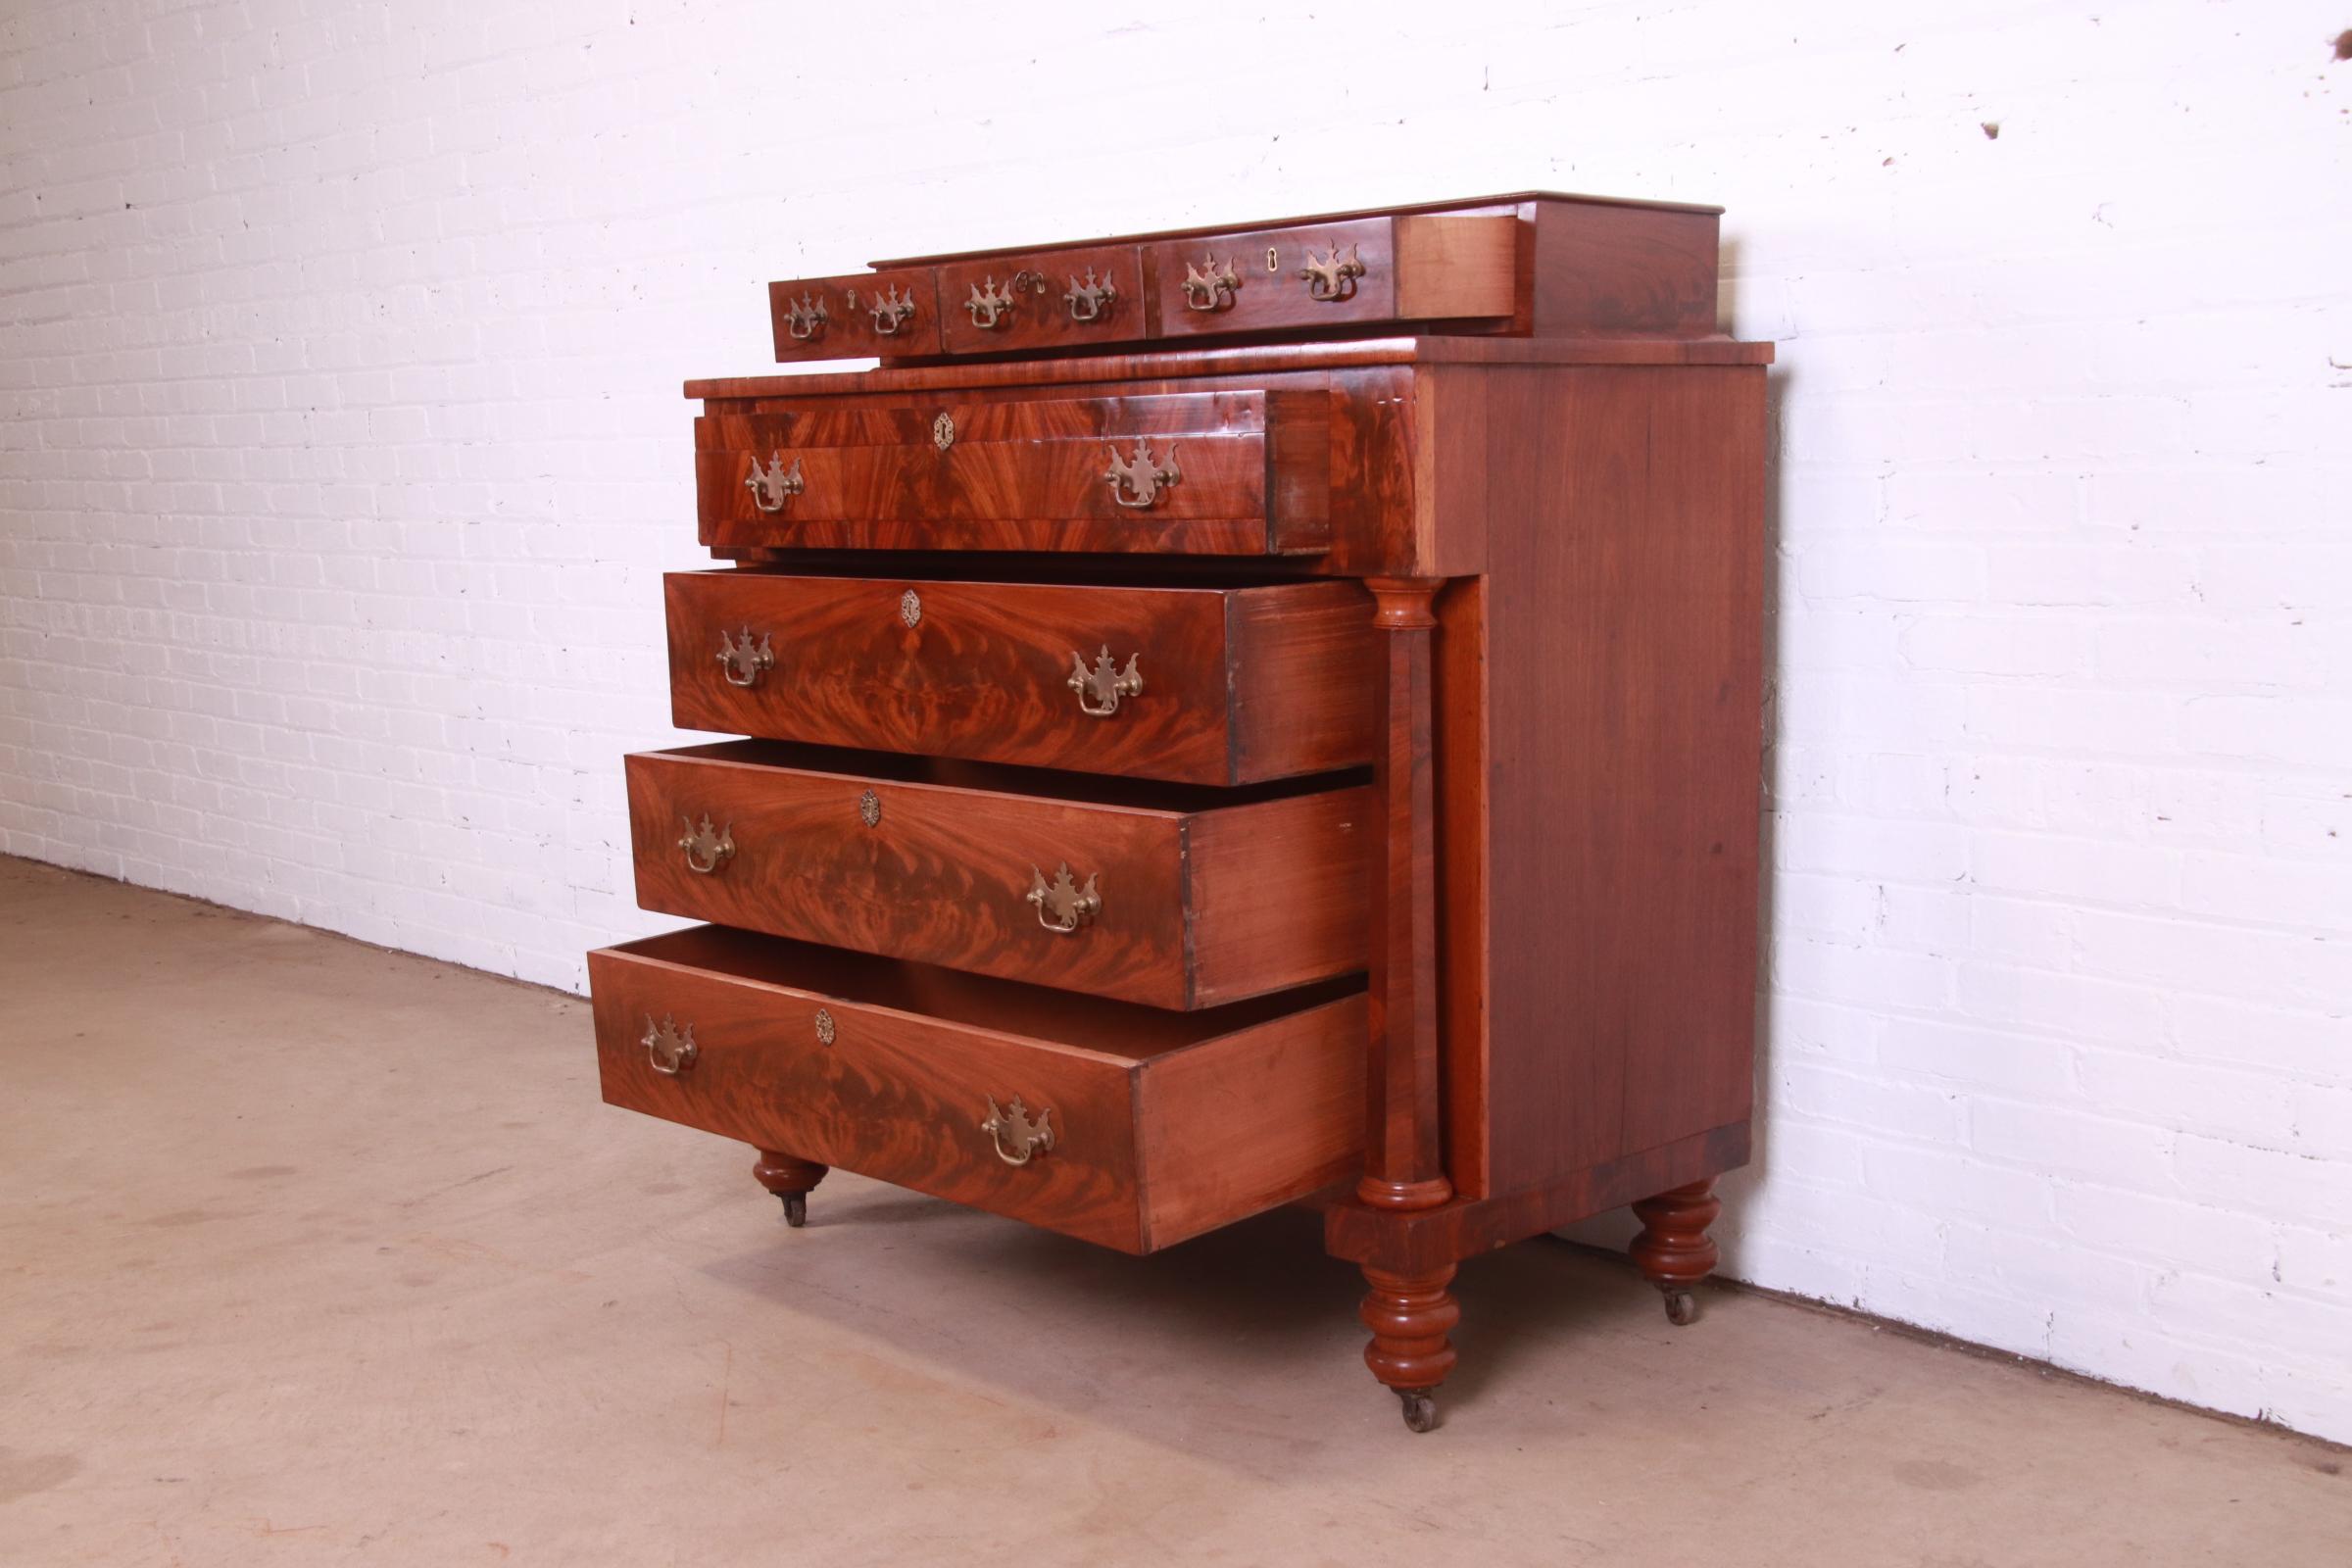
{"x":1363,"y":272}
{"x":1201,"y":472}
{"x":1203,"y":685}
{"x":1168,"y":907}
{"x":1132,"y":1128}
{"x":1051,"y":301}
{"x":855,"y":315}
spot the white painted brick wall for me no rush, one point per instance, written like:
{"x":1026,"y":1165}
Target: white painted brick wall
{"x":339,"y":346}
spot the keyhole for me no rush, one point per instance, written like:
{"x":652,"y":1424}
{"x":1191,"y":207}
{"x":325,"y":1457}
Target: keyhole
{"x":1273,"y":261}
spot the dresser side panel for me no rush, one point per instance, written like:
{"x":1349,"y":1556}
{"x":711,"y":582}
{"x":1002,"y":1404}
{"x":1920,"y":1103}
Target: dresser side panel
{"x":1624,"y":641}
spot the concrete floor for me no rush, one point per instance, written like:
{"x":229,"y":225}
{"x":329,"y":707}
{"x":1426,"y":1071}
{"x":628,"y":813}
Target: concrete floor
{"x":311,"y":1254}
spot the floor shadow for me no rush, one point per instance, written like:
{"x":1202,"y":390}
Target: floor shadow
{"x":1251,"y":1315}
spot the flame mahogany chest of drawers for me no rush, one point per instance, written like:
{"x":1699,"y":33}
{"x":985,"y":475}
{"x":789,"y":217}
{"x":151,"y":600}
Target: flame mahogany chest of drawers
{"x":1235,"y":716}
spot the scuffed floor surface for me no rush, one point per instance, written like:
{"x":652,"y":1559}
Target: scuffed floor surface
{"x":312,"y":1254}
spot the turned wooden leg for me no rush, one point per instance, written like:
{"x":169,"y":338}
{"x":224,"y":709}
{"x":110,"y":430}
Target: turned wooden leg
{"x":1674,"y":1251}
{"x":789,"y":1178}
{"x":1409,"y":1316}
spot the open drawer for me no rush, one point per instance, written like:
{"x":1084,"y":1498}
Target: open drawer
{"x":1168,"y":895}
{"x":1119,"y":1124}
{"x":1233,"y":474}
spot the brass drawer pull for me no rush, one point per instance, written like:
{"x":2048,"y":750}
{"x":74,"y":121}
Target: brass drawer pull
{"x":1331,"y":278}
{"x":1091,"y":301}
{"x":707,"y":850}
{"x":805,"y":319}
{"x":670,"y":1050}
{"x":744,"y":665}
{"x":891,"y":311}
{"x":1018,"y":1140}
{"x":1061,"y":904}
{"x":774,"y":485}
{"x":1101,"y":688}
{"x":1210,"y":285}
{"x":1137,"y":480}
{"x":990,"y":305}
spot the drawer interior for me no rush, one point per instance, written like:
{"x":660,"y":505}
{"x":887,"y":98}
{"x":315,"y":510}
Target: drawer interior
{"x":1120,"y":1031}
{"x":1089,"y":789}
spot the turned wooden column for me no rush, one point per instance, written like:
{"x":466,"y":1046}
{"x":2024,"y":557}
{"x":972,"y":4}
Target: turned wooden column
{"x":1403,"y":1157}
{"x":1409,"y":1314}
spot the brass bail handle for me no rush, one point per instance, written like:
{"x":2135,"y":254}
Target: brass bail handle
{"x":774,"y":485}
{"x":1139,"y":479}
{"x":1331,"y":278}
{"x":1100,"y":689}
{"x":806,"y":319}
{"x":743,"y":661}
{"x":706,"y":849}
{"x":1093,"y":299}
{"x":668,"y":1048}
{"x":1061,"y":904}
{"x":1017,"y":1138}
{"x":1209,"y":284}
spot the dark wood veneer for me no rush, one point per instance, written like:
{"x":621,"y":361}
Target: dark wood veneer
{"x":1450,"y":658}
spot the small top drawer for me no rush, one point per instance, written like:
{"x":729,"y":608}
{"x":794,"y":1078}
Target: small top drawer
{"x":849,"y":317}
{"x":1369,"y":270}
{"x":1245,"y":473}
{"x":1055,"y":301}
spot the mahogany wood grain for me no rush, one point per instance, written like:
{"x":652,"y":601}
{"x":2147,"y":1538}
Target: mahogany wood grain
{"x":849,"y":331}
{"x":1431,"y":1238}
{"x":1024,"y":474}
{"x":1201,"y":902}
{"x":1240,"y":684}
{"x":1254,"y":359}
{"x":1674,"y":1251}
{"x":918,"y":1056}
{"x":1601,"y":271}
{"x":1403,"y":1157}
{"x":1464,"y":848}
{"x":1453,"y":266}
{"x":1042,"y":318}
{"x":1624,"y":668}
{"x":1410,"y":1316}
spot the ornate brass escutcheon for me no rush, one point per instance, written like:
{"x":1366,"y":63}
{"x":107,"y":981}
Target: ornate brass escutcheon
{"x":1100,"y":689}
{"x":743,"y":662}
{"x":825,"y":1027}
{"x":707,"y":850}
{"x":1061,"y":904}
{"x":943,"y":431}
{"x":869,"y":808}
{"x":891,"y":311}
{"x":773,"y":486}
{"x":910,"y":608}
{"x":669,"y":1049}
{"x":1138,"y":479}
{"x":1210,"y":285}
{"x":1331,"y":278}
{"x":1091,"y":301}
{"x":1018,"y":1139}
{"x":807,"y":319}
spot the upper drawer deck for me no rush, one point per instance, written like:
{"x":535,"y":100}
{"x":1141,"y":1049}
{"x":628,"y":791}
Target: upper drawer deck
{"x":1236,"y":473}
{"x":1529,"y":265}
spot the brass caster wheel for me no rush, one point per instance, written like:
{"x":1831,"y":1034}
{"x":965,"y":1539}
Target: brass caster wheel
{"x":1420,"y":1408}
{"x":1682,"y":1308}
{"x":795,"y":1208}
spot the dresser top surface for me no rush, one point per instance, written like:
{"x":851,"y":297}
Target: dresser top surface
{"x":1408,"y":209}
{"x":1245,"y":359}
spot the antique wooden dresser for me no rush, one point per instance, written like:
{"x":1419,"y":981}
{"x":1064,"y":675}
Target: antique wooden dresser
{"x":1238,"y":715}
